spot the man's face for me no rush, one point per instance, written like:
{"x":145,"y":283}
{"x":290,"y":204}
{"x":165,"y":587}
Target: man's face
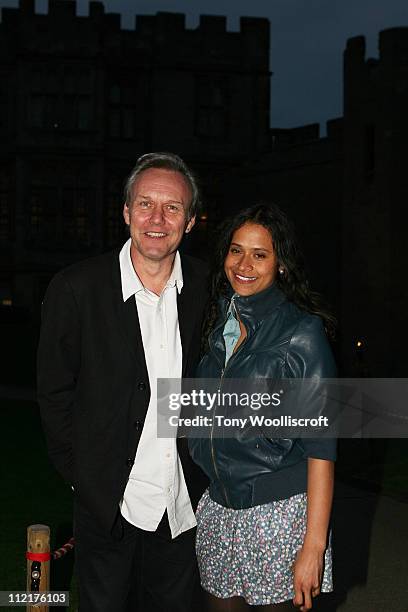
{"x":157,"y":214}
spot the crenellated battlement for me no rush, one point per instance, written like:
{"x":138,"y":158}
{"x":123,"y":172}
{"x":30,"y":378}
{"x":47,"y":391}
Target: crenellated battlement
{"x":96,"y":9}
{"x":393,"y":45}
{"x":393,"y":49}
{"x":63,"y":9}
{"x":367,"y":78}
{"x":213,"y":24}
{"x":356,"y":48}
{"x":155,"y":34}
{"x":168,"y":21}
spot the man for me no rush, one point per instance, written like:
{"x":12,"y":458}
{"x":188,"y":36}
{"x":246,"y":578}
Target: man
{"x":111,"y":326}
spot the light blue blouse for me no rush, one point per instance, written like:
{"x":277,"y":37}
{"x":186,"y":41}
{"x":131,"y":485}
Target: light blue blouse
{"x":231,"y":332}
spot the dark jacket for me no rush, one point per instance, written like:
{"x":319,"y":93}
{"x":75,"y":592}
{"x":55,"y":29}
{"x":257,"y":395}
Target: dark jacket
{"x":93,"y":386}
{"x":283,"y":342}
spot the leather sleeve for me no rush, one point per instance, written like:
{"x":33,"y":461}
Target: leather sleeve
{"x":58,"y":361}
{"x":310,"y":357}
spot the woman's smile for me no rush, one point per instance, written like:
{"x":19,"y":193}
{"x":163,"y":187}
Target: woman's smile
{"x":251,"y":264}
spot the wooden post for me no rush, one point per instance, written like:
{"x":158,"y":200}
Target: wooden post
{"x":38,"y":541}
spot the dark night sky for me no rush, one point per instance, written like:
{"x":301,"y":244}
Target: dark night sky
{"x":307,"y":42}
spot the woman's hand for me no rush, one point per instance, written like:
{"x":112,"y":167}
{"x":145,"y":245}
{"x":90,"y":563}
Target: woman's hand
{"x":307,"y":578}
{"x":308,"y":567}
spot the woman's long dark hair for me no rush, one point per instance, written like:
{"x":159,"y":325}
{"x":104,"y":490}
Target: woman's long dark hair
{"x":292,"y":282}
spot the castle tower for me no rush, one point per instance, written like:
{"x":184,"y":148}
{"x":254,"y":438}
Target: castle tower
{"x":375,"y":294}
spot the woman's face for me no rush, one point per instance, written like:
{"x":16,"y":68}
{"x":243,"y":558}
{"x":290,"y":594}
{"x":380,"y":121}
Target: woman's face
{"x":251,"y":264}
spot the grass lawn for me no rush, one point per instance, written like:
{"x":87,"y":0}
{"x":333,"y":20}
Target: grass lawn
{"x":31,"y":492}
{"x":381,"y":464}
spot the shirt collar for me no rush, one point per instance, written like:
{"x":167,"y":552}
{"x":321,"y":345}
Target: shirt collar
{"x":131,"y":283}
{"x":176,"y":276}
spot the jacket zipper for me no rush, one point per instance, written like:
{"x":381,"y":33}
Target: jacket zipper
{"x":224,"y":490}
{"x":212,"y":429}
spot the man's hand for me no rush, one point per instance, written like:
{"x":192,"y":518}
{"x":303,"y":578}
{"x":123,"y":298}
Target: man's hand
{"x":307,"y":576}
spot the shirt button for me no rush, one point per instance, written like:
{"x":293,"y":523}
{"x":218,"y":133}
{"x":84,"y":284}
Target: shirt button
{"x":141,"y":386}
{"x":167,"y":454}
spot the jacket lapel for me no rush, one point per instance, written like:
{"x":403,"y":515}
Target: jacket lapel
{"x":128,"y":319}
{"x":187,"y":313}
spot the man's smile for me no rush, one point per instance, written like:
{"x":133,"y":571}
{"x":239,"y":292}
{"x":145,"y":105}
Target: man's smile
{"x":155,"y":234}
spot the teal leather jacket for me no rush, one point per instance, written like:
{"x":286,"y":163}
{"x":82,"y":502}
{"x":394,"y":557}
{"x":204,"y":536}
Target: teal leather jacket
{"x":282,"y":342}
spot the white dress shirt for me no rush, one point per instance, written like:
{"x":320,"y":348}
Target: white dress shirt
{"x":156,"y":481}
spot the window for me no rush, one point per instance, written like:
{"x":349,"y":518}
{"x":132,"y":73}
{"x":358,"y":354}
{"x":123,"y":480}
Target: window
{"x":75,"y":209}
{"x":5,"y":204}
{"x":3,"y":102}
{"x":60,"y":204}
{"x":212,"y":107}
{"x":42,"y":215}
{"x":369,"y":150}
{"x":60,"y":98}
{"x":125,"y":111}
{"x":77,"y":205}
{"x":4,"y":218}
{"x":114,"y":224}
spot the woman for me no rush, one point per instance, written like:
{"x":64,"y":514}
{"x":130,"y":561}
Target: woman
{"x":262,"y":534}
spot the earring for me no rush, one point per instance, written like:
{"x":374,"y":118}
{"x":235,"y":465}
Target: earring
{"x":281,"y":271}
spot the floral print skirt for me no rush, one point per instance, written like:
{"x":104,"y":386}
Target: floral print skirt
{"x":250,"y":553}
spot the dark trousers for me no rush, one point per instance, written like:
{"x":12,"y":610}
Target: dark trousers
{"x":134,"y":570}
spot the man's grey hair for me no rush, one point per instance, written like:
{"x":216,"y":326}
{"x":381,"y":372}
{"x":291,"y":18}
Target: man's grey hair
{"x":165,"y":161}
